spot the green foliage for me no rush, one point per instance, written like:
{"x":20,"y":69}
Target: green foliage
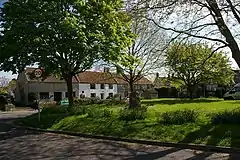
{"x":227,"y":117}
{"x":3,"y":90}
{"x":132,"y":114}
{"x":192,"y":64}
{"x":48,"y":104}
{"x":99,"y":113}
{"x":202,"y":131}
{"x":54,"y":110}
{"x":96,"y":100}
{"x":63,"y":37}
{"x":78,"y":110}
{"x":178,"y":117}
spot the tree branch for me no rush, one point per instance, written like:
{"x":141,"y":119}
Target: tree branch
{"x":189,"y":34}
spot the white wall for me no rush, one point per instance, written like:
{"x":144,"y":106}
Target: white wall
{"x":62,"y":87}
{"x":97,"y":91}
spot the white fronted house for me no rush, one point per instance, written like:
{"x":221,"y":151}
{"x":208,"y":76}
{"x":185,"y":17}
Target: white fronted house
{"x":87,"y":84}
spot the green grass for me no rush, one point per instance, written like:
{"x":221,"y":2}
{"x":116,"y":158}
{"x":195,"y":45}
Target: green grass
{"x":200,"y":132}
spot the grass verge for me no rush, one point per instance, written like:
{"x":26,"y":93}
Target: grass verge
{"x":104,"y":120}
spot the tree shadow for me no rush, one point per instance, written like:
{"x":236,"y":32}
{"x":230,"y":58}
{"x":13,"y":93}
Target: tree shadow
{"x":179,"y":101}
{"x":216,"y":135}
{"x":35,"y":145}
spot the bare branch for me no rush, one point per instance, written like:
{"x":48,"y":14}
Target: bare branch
{"x":189,"y":34}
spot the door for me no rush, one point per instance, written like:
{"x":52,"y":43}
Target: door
{"x":57,"y":96}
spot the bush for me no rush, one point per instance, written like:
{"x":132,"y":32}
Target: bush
{"x":133,"y":113}
{"x":54,"y":110}
{"x":114,"y":102}
{"x":88,"y":101}
{"x":78,"y":110}
{"x":99,"y":113}
{"x":179,"y":117}
{"x":227,"y":117}
{"x":32,"y":97}
{"x":48,"y":104}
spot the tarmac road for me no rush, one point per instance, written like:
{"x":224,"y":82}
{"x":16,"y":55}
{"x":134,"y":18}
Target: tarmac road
{"x":17,"y":144}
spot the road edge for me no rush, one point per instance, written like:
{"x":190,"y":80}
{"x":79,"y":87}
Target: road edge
{"x":207,"y":148}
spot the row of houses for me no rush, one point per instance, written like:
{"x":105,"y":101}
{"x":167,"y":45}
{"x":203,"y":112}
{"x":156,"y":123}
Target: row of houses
{"x":88,"y":84}
{"x":100,"y":84}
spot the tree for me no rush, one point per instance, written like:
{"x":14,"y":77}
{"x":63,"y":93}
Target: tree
{"x":188,"y":66}
{"x":215,"y":21}
{"x":64,"y":37}
{"x":144,"y":56}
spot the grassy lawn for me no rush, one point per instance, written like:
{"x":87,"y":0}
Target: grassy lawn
{"x":107,"y":122}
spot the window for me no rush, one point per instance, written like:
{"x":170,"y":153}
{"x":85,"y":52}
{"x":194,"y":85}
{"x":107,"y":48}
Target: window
{"x":102,"y":86}
{"x":110,"y":86}
{"x":92,"y":86}
{"x":44,"y":95}
{"x":149,"y":86}
{"x":93,"y":95}
{"x":102,"y":95}
{"x":82,"y":91}
{"x":66,"y":94}
{"x":111,"y":95}
{"x":74,"y":94}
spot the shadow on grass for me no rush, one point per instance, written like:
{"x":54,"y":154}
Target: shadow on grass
{"x":215,"y":135}
{"x":46,"y":120}
{"x":179,"y":101}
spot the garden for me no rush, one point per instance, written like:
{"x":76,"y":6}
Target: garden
{"x":198,"y":121}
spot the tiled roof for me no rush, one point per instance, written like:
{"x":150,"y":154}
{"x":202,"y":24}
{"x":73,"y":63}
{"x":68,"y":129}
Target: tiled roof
{"x":161,"y":82}
{"x":90,"y":77}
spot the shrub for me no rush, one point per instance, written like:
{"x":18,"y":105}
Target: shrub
{"x":48,"y":104}
{"x":114,"y":102}
{"x":54,"y":110}
{"x":179,"y":117}
{"x":88,"y":101}
{"x":131,"y":114}
{"x":227,"y":117}
{"x":78,"y":110}
{"x":99,"y":113}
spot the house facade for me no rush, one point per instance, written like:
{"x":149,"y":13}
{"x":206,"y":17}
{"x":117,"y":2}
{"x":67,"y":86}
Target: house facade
{"x":86,"y":84}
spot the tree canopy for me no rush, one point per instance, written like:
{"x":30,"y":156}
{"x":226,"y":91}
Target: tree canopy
{"x":64,"y":37}
{"x":190,"y":66}
{"x":145,"y":55}
{"x":214,"y":21}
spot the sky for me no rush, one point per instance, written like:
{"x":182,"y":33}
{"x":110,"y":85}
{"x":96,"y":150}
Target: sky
{"x":10,"y":75}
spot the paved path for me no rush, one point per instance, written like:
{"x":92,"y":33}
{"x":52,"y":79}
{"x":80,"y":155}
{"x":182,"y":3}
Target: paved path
{"x":27,"y":145}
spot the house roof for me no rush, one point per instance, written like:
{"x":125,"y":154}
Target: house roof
{"x":89,"y":77}
{"x":160,"y":82}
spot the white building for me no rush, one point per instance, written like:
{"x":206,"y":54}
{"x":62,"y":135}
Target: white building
{"x":87,"y":84}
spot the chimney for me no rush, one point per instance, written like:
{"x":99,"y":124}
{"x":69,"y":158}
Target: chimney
{"x":106,"y":69}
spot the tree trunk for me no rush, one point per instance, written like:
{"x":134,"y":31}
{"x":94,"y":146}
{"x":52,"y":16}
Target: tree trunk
{"x":190,"y":91}
{"x":225,"y":31}
{"x":70,"y":90}
{"x":133,"y":98}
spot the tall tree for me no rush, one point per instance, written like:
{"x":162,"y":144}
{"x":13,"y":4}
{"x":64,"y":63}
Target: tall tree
{"x":144,"y":56}
{"x":216,"y":21}
{"x":187,"y":65}
{"x":65,"y":37}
